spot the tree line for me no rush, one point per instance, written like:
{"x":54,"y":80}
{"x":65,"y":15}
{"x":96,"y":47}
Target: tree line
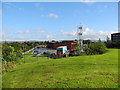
{"x":13,"y":51}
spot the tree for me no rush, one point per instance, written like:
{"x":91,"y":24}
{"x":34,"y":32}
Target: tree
{"x":100,"y":47}
{"x":108,"y":39}
{"x":78,"y":50}
{"x":9,"y":53}
{"x":99,"y":40}
{"x":95,"y":48}
{"x":53,"y":41}
{"x":86,"y":41}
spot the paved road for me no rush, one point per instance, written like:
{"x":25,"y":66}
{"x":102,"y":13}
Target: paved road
{"x":28,"y":51}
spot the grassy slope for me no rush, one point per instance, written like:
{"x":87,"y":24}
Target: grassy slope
{"x":94,"y":71}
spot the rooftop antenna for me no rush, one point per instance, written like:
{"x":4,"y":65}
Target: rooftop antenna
{"x":79,"y":35}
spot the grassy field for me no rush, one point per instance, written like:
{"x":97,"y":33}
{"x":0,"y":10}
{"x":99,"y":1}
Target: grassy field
{"x":95,"y":71}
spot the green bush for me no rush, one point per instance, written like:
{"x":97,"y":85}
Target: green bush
{"x":95,"y":48}
{"x":10,"y":54}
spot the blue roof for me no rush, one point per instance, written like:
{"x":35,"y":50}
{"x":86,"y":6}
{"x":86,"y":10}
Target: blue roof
{"x":36,"y":51}
{"x":59,"y":48}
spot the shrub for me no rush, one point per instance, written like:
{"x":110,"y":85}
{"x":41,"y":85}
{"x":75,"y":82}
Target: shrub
{"x":95,"y":48}
{"x":10,"y":54}
{"x":77,"y":50}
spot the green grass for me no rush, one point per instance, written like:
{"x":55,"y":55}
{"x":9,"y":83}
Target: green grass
{"x":95,"y":71}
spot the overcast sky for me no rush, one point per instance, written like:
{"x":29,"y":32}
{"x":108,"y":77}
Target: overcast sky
{"x":58,"y":21}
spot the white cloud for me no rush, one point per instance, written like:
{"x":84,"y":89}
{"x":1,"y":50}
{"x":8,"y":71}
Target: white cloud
{"x":36,"y":31}
{"x":71,"y":33}
{"x":50,"y":37}
{"x":22,"y":38}
{"x":89,"y":34}
{"x":23,"y":32}
{"x":51,"y":15}
{"x":95,"y":35}
{"x":63,"y":35}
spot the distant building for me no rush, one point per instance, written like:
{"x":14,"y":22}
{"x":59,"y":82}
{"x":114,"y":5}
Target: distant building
{"x":61,"y":49}
{"x":42,"y":50}
{"x":115,"y":37}
{"x":70,"y":45}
